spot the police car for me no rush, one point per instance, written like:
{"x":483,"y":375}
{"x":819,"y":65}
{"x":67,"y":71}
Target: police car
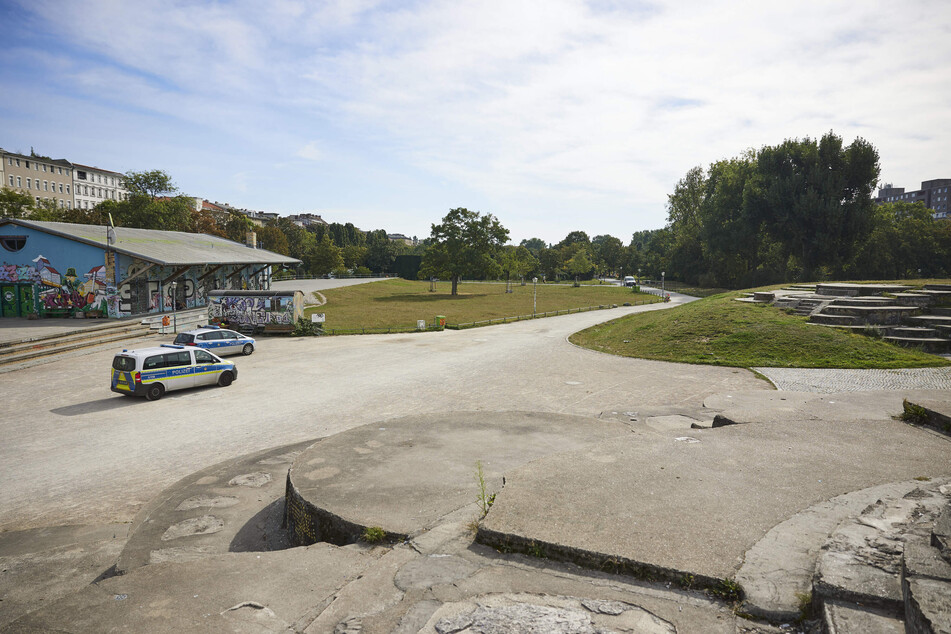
{"x":219,"y":340}
{"x":151,"y":372}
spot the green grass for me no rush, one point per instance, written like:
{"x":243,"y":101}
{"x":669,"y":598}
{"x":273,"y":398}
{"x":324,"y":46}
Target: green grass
{"x":720,"y":331}
{"x":400,"y":303}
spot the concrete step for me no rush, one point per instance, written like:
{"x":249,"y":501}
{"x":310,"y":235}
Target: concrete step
{"x":833,"y":320}
{"x":863,"y":301}
{"x":28,"y":354}
{"x":927,"y":344}
{"x":913,"y":299}
{"x":911,"y":331}
{"x":929,"y":320}
{"x":70,"y":337}
{"x":879,"y":315}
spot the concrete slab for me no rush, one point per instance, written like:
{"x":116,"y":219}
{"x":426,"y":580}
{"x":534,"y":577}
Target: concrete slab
{"x":695,"y":503}
{"x":238,"y":592}
{"x":405,"y":475}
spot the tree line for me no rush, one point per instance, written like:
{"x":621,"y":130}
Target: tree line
{"x":798,"y":211}
{"x":802,"y":210}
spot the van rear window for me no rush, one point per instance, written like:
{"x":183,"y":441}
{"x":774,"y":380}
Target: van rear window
{"x":123,"y":364}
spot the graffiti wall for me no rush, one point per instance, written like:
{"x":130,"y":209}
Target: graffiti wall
{"x":61,"y":288}
{"x":255,"y":310}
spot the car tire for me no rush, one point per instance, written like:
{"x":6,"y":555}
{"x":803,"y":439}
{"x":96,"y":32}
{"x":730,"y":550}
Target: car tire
{"x":247,"y":349}
{"x":225,"y":379}
{"x":154,"y":392}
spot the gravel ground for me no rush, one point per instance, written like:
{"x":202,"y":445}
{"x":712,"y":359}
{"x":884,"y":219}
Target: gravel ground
{"x":830,"y":381}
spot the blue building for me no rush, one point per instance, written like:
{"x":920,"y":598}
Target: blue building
{"x":58,"y":268}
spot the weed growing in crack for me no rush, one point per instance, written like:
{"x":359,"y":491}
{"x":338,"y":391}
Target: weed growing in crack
{"x":485,"y":499}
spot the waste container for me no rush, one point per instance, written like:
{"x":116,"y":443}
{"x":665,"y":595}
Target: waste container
{"x":440,"y":320}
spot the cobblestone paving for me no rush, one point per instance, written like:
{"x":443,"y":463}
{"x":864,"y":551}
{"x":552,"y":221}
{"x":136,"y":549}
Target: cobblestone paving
{"x":826,"y":381}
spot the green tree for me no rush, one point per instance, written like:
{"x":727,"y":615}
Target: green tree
{"x":324,"y":257}
{"x":579,"y":264}
{"x":609,"y":253}
{"x":153,"y":183}
{"x":273,"y":239}
{"x":535,"y":245}
{"x":819,"y":197}
{"x":237,"y":227}
{"x":14,"y":204}
{"x":465,"y":243}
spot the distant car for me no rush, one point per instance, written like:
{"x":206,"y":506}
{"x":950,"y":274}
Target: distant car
{"x":151,"y":372}
{"x":219,"y":340}
{"x":629,"y":281}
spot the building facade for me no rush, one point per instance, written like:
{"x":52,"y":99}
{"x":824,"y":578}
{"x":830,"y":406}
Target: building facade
{"x":41,"y":178}
{"x":934,"y":194}
{"x":62,"y":269}
{"x":92,"y":185}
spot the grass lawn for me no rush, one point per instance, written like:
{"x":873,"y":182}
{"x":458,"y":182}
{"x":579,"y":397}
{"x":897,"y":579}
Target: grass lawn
{"x":720,"y":331}
{"x":400,"y":303}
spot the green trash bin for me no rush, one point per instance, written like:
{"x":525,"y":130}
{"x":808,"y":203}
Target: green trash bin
{"x":441,"y":321}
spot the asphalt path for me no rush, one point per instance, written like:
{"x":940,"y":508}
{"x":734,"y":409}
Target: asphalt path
{"x":76,"y":453}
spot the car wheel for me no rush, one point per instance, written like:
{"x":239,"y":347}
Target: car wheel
{"x":225,"y":379}
{"x":155,"y":392}
{"x":247,"y":349}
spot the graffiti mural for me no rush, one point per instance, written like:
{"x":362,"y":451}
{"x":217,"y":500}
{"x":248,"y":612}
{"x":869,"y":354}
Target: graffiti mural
{"x":252,"y":311}
{"x":58,"y":290}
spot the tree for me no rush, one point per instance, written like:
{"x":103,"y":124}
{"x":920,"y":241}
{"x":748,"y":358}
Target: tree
{"x":575,"y":237}
{"x":14,"y":204}
{"x":464,"y":243}
{"x":323,"y":257}
{"x":609,"y":253}
{"x":819,"y":197}
{"x":273,"y":239}
{"x":237,"y":227}
{"x":153,"y":183}
{"x":579,"y":264}
{"x":534,"y":245}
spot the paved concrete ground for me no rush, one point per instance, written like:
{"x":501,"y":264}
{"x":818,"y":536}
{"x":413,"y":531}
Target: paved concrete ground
{"x":74,"y":454}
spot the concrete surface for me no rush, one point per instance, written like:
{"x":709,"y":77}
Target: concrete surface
{"x":196,"y":480}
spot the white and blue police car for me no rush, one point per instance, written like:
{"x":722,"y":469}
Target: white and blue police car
{"x":151,"y":372}
{"x":219,"y":340}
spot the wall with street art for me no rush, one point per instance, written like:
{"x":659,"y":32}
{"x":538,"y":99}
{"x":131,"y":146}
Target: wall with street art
{"x":45,"y":274}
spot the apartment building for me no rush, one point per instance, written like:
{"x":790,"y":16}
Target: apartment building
{"x":934,"y":194}
{"x":92,"y":185}
{"x":38,"y":176}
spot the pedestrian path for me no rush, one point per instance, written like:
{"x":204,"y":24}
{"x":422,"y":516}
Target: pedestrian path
{"x":831,"y":381}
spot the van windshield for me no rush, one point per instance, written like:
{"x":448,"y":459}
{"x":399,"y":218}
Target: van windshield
{"x":123,"y":364}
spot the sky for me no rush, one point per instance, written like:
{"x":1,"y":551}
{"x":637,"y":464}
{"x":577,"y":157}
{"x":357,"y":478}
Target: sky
{"x":554,"y":116}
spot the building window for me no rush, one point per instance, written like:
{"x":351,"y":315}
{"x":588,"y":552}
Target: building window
{"x":68,"y":205}
{"x":27,"y":163}
{"x":11,"y":180}
{"x":13,"y":243}
{"x":67,"y":189}
{"x":19,"y":182}
{"x":29,"y":182}
{"x":9,"y":160}
{"x":44,"y":167}
{"x":60,"y":169}
{"x":18,"y":162}
{"x":61,"y":188}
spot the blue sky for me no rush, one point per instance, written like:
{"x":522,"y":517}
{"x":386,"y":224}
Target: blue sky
{"x":555,"y":116}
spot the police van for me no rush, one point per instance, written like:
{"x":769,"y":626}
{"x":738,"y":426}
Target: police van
{"x":151,"y":372}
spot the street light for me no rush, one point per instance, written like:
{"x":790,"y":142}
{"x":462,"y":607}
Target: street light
{"x":174,"y":316}
{"x":662,"y":288}
{"x":534,"y":295}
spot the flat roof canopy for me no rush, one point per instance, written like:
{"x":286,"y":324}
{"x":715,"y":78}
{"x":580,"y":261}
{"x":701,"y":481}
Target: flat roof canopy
{"x":166,"y":248}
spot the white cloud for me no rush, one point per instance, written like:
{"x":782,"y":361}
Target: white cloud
{"x":584,"y":112}
{"x":311,"y":152}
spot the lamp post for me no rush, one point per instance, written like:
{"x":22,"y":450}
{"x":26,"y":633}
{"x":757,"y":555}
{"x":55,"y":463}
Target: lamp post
{"x":534,"y":295}
{"x":174,"y":316}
